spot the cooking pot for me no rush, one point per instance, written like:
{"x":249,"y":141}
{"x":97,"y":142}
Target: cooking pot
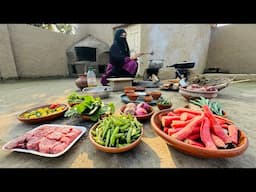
{"x":156,"y":63}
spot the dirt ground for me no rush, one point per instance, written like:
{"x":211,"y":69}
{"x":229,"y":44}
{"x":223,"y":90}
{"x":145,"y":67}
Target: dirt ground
{"x":238,"y":100}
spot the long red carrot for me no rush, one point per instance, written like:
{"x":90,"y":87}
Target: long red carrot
{"x":181,"y":110}
{"x":188,"y":129}
{"x":186,"y":116}
{"x":179,"y":124}
{"x":217,"y":129}
{"x":218,"y":141}
{"x":223,"y":118}
{"x":205,"y":134}
{"x":233,"y":133}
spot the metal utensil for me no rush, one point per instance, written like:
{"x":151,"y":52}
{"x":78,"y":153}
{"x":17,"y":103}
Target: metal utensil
{"x":150,"y":53}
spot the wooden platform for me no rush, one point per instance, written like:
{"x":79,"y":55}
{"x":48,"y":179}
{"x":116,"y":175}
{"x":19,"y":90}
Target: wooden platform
{"x":118,"y":84}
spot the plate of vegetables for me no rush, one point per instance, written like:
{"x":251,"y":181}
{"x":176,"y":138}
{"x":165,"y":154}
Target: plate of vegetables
{"x":116,"y":134}
{"x":200,"y":133}
{"x":91,"y":109}
{"x":43,"y":113}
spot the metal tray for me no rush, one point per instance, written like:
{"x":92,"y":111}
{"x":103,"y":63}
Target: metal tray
{"x":83,"y":129}
{"x":99,"y":91}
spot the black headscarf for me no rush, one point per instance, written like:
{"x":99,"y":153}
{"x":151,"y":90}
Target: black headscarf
{"x":118,"y":52}
{"x":121,"y":42}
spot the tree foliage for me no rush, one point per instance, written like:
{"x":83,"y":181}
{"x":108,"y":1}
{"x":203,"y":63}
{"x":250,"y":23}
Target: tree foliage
{"x":62,"y":28}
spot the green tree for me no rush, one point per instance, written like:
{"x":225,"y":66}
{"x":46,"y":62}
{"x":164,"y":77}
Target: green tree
{"x":62,"y":28}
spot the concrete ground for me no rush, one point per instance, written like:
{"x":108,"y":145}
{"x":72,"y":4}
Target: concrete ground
{"x":238,"y":101}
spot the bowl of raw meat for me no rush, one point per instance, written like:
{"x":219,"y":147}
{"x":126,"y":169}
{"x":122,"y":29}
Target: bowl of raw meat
{"x":196,"y":91}
{"x":188,"y":132}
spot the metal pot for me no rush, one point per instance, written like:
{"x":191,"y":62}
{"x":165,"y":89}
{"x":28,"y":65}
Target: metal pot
{"x":156,"y":63}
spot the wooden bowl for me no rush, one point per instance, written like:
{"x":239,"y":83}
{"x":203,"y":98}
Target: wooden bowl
{"x":193,"y":150}
{"x":191,"y":94}
{"x":42,"y":119}
{"x":113,"y":149}
{"x":140,"y":118}
{"x":163,"y":106}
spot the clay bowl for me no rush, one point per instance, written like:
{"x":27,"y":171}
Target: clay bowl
{"x":129,"y":88}
{"x":164,"y":106}
{"x":148,"y":98}
{"x":140,"y":118}
{"x":113,"y":149}
{"x":132,"y":96}
{"x":42,"y":119}
{"x":193,"y":150}
{"x":87,"y":117}
{"x":156,"y":94}
{"x":191,"y":94}
{"x":126,"y":91}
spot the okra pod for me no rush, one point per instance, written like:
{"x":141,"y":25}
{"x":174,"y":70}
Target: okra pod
{"x":113,"y":136}
{"x":129,"y":134}
{"x":93,"y":132}
{"x":124,"y":127}
{"x":105,"y":130}
{"x":107,"y":138}
{"x":98,"y":140}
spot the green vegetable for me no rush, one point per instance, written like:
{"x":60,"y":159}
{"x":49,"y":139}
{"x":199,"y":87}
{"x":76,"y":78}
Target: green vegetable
{"x":164,"y":101}
{"x":113,"y":136}
{"x":214,"y":106}
{"x":117,"y":131}
{"x":129,"y":134}
{"x":93,"y":107}
{"x":108,"y":138}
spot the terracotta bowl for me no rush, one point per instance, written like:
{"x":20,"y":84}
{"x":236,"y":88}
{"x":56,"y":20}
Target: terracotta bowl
{"x":87,"y":117}
{"x":126,"y":91}
{"x":197,"y":151}
{"x":190,"y":94}
{"x":42,"y":119}
{"x":148,"y":98}
{"x":163,"y":106}
{"x":156,"y":94}
{"x":130,"y":87}
{"x":113,"y":149}
{"x":140,"y":118}
{"x":132,"y":96}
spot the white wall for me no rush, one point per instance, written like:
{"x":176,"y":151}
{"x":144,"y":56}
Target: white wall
{"x":7,"y":62}
{"x":175,"y":43}
{"x":232,"y":48}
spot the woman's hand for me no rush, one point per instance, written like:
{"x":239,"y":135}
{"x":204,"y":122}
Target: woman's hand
{"x":136,"y":56}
